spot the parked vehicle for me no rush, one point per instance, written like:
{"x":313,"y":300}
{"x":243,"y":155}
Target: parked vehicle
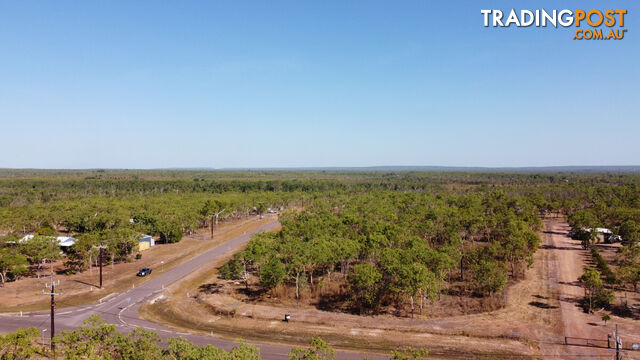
{"x":613,"y":239}
{"x":144,"y":272}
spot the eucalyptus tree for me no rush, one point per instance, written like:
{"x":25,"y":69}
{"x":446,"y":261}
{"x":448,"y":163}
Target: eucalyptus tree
{"x":40,"y":249}
{"x":365,"y":286}
{"x":592,"y":283}
{"x":272,"y":273}
{"x":490,"y":276}
{"x":630,"y":233}
{"x":12,"y":264}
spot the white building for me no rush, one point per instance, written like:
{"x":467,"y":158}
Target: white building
{"x":63,"y":241}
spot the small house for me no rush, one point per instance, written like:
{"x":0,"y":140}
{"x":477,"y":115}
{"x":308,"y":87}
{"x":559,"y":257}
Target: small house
{"x":603,"y":234}
{"x":146,"y":241}
{"x":65,"y":242}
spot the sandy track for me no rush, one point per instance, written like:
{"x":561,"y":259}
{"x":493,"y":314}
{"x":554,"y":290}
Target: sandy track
{"x":566,"y":265}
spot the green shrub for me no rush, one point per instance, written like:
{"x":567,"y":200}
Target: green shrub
{"x":490,"y":276}
{"x":232,"y":270}
{"x":272,"y":273}
{"x":603,"y":298}
{"x":364,"y":283}
{"x":603,"y":266}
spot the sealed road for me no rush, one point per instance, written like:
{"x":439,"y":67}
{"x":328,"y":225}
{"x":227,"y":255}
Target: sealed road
{"x":122,"y":309}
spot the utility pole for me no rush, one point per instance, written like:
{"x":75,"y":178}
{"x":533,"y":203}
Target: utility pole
{"x":52,"y":292}
{"x":101,"y":247}
{"x":618,"y":343}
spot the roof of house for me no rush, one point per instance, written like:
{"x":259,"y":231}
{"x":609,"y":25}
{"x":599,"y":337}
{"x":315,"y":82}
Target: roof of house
{"x":64,"y":241}
{"x":146,"y":238}
{"x":600,"y":230}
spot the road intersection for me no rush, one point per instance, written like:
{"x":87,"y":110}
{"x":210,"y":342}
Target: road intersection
{"x":122,"y":309}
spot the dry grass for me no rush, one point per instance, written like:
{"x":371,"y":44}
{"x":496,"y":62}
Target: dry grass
{"x":193,"y":317}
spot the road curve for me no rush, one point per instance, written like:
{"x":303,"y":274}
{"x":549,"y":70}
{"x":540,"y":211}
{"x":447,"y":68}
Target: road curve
{"x":122,"y":309}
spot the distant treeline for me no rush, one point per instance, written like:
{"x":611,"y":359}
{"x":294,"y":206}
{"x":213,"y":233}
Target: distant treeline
{"x":20,"y":187}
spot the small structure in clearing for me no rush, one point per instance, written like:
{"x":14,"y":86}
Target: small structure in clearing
{"x":146,"y":241}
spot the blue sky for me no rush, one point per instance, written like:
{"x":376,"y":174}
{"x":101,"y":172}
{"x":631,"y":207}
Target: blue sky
{"x":150,"y":84}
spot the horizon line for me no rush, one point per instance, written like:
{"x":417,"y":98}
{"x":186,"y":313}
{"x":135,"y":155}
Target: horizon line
{"x":404,"y":168}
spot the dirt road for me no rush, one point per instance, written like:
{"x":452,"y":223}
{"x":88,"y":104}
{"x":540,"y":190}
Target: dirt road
{"x":565,"y":266}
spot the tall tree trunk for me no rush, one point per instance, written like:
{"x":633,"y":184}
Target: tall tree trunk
{"x":411,"y":306}
{"x":245,"y":275}
{"x":297,"y":285}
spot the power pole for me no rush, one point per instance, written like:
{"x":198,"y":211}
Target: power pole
{"x":100,"y":267}
{"x":617,"y":340}
{"x":101,"y":247}
{"x":52,"y":292}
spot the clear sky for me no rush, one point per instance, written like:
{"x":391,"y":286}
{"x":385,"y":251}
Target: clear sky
{"x":154,"y":84}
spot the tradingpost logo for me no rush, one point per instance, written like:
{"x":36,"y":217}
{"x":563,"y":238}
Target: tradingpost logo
{"x":592,"y":24}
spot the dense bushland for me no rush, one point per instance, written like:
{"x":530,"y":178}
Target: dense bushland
{"x":115,"y":212}
{"x":394,"y":247}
